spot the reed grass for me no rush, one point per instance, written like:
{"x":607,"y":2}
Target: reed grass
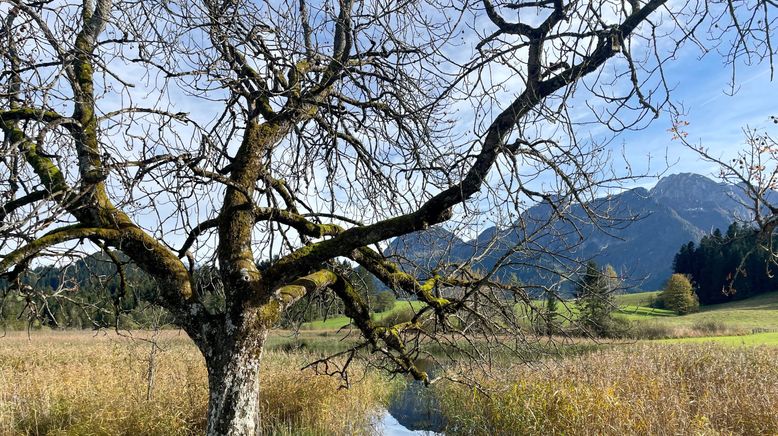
{"x":76,"y":383}
{"x":643,"y":389}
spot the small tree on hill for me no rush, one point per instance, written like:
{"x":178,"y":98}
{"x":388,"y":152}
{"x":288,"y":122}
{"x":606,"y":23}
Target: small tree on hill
{"x":611,"y":279}
{"x":679,"y":295}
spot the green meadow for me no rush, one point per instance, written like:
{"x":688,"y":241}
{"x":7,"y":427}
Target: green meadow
{"x":756,"y":312}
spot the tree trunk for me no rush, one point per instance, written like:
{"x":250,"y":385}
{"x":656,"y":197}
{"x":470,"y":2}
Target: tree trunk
{"x":233,"y":383}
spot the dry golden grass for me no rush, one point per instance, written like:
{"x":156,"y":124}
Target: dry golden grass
{"x":80,"y":384}
{"x":74,"y":383}
{"x":644,"y":389}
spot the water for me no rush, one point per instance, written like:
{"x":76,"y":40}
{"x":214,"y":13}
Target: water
{"x":389,"y":426}
{"x":413,"y":411}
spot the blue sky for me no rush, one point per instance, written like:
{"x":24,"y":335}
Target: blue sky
{"x":701,"y":86}
{"x":716,"y":118}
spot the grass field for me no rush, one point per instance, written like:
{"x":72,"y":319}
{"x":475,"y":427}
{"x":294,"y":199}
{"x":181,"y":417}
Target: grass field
{"x":643,"y":389}
{"x":79,"y":383}
{"x":638,"y":299}
{"x":758,"y":313}
{"x":756,"y":339}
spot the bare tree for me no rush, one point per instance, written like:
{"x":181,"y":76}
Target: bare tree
{"x":221,"y":133}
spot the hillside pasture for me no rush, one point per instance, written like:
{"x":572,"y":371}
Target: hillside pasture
{"x":757,"y":314}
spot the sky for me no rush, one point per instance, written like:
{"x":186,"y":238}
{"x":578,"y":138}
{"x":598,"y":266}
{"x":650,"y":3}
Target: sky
{"x":715,"y":115}
{"x":701,"y":86}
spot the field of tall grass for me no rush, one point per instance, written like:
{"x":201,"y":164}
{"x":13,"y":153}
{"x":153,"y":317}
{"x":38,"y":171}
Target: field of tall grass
{"x":76,"y":383}
{"x":640,"y":389}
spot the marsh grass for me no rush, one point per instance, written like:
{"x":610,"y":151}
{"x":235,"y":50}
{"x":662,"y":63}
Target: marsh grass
{"x":77,"y":383}
{"x":74,"y":383}
{"x":644,"y":389}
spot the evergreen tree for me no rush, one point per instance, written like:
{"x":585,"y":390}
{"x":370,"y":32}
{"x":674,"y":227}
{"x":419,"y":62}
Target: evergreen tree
{"x":726,"y":267}
{"x":552,"y":326}
{"x":684,"y":259}
{"x":591,"y":279}
{"x":595,"y":302}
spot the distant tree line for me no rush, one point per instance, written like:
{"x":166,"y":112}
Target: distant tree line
{"x":727,"y":267}
{"x":86,"y":293}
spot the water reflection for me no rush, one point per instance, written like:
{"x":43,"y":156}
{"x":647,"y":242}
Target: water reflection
{"x":415,"y":408}
{"x":388,"y":426}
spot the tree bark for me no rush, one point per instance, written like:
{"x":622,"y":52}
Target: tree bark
{"x":233,"y":384}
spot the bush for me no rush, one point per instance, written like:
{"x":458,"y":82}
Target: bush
{"x":401,"y":315}
{"x":384,"y":301}
{"x":650,"y":330}
{"x":663,"y":330}
{"x":679,"y":295}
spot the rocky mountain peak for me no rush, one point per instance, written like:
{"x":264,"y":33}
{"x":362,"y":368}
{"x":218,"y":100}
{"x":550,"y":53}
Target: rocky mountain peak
{"x":686,"y":186}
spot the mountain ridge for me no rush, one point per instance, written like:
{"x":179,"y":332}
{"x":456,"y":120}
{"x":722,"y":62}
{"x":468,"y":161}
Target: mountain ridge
{"x":680,"y":208}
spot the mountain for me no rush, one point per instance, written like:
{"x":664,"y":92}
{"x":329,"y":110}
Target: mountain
{"x":707,"y":204}
{"x":640,"y":241}
{"x":425,"y":250}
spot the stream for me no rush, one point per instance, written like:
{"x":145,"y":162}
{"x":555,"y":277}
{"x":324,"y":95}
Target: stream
{"x":413,"y":411}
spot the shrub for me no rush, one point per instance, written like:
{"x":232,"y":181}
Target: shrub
{"x":679,"y":295}
{"x":397,"y":316}
{"x":384,"y":301}
{"x":650,"y":330}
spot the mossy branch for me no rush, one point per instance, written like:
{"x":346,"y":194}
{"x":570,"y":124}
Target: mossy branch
{"x":53,"y":238}
{"x":284,"y":296}
{"x":358,"y":310}
{"x":50,"y":175}
{"x":9,"y":207}
{"x":297,"y":222}
{"x":33,"y":114}
{"x":394,"y":277}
